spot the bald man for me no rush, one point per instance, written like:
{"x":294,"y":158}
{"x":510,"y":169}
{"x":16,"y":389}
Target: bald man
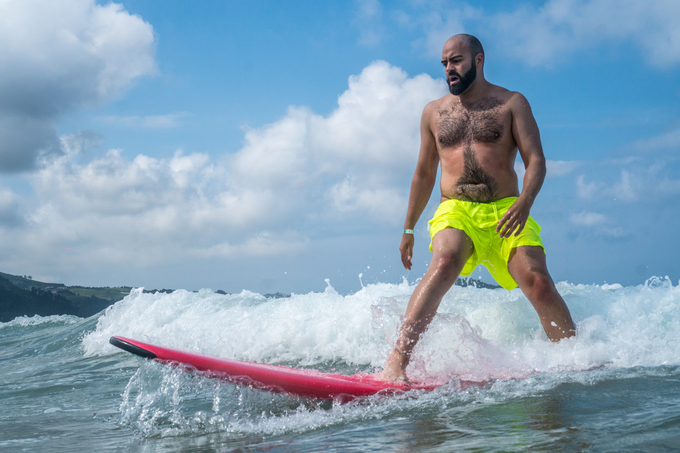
{"x":474,"y":132}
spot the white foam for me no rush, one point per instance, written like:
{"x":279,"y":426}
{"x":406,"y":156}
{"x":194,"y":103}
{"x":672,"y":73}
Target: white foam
{"x":479,"y":334}
{"x":26,"y":321}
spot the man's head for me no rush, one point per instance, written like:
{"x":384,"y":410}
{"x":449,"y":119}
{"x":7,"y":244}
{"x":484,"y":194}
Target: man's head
{"x":461,"y":56}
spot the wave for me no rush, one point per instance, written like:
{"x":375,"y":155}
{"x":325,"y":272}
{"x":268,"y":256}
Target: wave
{"x":479,"y":334}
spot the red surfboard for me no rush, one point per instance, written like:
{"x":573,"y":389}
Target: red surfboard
{"x":306,"y":383}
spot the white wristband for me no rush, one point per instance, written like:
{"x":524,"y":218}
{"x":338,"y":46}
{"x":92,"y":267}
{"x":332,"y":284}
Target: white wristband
{"x":408,"y":231}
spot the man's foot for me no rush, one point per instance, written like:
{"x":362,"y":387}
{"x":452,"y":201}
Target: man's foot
{"x":394,"y":372}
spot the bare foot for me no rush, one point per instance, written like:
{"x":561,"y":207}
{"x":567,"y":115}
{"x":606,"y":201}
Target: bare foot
{"x":393,"y":371}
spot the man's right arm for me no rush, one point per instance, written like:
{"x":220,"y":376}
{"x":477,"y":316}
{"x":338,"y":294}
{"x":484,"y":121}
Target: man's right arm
{"x":422,"y":184}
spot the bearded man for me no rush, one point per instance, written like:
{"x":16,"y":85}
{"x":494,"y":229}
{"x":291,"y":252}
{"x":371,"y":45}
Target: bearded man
{"x":474,"y":133}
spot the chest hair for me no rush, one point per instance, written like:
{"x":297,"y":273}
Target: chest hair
{"x":480,"y":122}
{"x":457,"y":126}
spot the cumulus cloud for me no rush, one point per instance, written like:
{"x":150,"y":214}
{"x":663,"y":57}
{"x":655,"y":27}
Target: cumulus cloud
{"x":57,"y":57}
{"x":362,"y":151}
{"x":290,"y":177}
{"x":377,"y":118}
{"x":386,"y":203}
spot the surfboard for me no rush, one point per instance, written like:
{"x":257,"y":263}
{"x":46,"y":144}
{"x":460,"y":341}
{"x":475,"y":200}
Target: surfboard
{"x":274,"y":378}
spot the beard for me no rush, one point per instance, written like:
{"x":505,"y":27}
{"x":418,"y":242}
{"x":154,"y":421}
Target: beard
{"x":464,"y":81}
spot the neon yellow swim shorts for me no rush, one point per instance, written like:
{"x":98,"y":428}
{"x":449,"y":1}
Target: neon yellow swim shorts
{"x":479,"y":221}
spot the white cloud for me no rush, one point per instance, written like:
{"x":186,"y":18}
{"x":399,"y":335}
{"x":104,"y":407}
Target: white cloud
{"x":595,"y":223}
{"x":168,"y":121}
{"x":560,"y":28}
{"x":373,"y":135}
{"x":554,"y":168}
{"x":290,"y":177}
{"x":627,"y":188}
{"x":556,"y":29}
{"x":57,"y":57}
{"x":586,"y":189}
{"x":439,"y":23}
{"x":439,"y":29}
{"x":377,"y":118}
{"x":263,"y":244}
{"x":587,"y":218}
{"x":561,"y":167}
{"x":616,"y":232}
{"x":368,"y":20}
{"x":388,"y":203}
{"x":631,"y":180}
{"x":669,"y":141}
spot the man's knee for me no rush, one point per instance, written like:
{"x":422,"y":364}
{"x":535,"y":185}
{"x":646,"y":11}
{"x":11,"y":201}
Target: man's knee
{"x":539,"y":286}
{"x":447,"y":264}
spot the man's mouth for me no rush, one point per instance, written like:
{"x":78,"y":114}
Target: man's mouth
{"x":453,"y":80}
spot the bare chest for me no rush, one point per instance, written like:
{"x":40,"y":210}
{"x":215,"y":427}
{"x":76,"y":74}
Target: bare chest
{"x":485,"y":121}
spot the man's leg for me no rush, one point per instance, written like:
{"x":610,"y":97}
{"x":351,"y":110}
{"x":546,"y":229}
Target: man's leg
{"x":451,"y":248}
{"x":528,"y":267}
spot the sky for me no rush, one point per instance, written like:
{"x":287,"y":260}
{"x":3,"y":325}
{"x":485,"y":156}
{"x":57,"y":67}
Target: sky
{"x":269,"y":146}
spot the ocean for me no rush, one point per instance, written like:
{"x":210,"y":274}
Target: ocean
{"x":615,"y":387}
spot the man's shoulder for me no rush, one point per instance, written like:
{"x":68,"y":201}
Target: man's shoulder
{"x":513,"y":101}
{"x":517,"y":102}
{"x":434,"y":105}
{"x":505,"y":95}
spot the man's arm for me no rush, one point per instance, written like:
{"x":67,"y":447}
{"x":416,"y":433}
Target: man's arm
{"x":528,"y":139}
{"x":422,"y":184}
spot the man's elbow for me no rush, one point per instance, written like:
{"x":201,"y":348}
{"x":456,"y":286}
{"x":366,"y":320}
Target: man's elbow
{"x":537,"y":164}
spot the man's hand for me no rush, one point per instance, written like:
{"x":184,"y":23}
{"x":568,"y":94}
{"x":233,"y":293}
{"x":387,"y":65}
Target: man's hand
{"x":514,"y":219}
{"x":406,"y":249}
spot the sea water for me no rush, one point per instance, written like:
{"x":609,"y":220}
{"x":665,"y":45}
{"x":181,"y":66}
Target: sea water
{"x":615,"y":387}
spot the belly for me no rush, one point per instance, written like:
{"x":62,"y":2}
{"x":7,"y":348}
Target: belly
{"x":466,"y":176}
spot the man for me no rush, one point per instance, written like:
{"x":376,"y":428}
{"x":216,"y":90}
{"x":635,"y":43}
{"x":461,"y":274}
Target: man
{"x":475,"y":133}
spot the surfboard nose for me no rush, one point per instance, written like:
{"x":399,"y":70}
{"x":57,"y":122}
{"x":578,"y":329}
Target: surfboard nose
{"x":129,"y":347}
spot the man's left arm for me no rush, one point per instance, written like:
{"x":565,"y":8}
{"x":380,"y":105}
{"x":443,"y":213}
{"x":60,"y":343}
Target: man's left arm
{"x":528,"y":139}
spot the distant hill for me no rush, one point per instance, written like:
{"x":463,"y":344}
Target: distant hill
{"x":15,"y":301}
{"x":23,"y":296}
{"x":27,"y":282}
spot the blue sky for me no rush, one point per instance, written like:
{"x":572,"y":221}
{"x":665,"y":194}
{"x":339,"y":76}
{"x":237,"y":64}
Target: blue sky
{"x":269,"y":146}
